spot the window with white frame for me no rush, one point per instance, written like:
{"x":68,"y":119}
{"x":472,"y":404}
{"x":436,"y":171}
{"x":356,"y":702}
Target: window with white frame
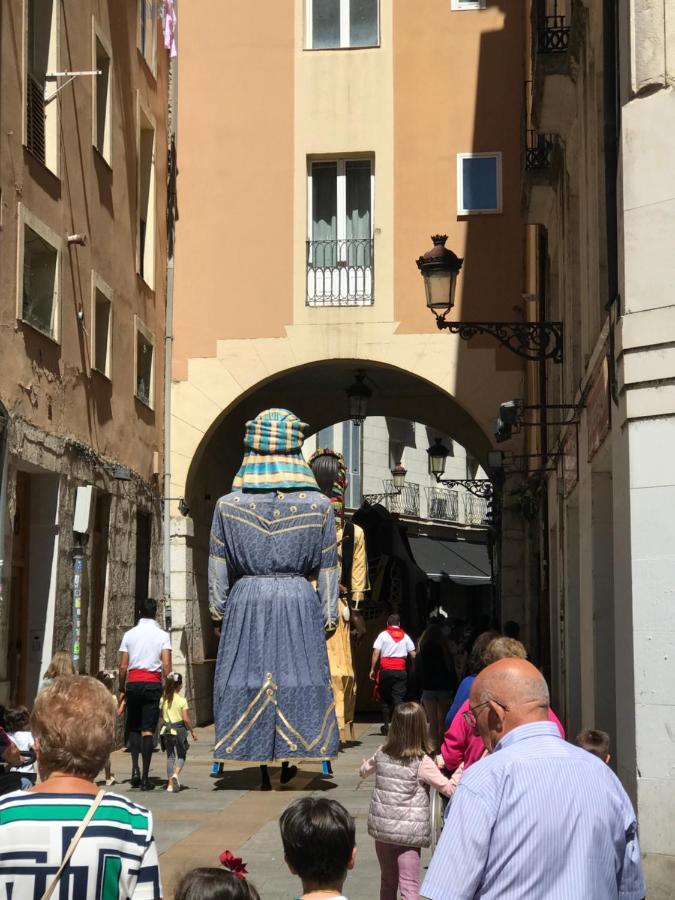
{"x":39,"y":268}
{"x":101,"y":327}
{"x":340,"y":232}
{"x":334,"y":24}
{"x":467,"y":4}
{"x":102,"y":97}
{"x":42,"y":114}
{"x":147,"y":31}
{"x":479,"y":183}
{"x":146,"y":197}
{"x":145,"y":364}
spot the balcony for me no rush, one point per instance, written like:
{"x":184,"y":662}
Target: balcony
{"x":538,"y":150}
{"x":340,"y":272}
{"x":475,"y":510}
{"x":442,"y":504}
{"x":542,"y":164}
{"x":555,"y":40}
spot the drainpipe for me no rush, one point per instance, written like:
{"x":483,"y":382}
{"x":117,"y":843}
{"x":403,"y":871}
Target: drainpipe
{"x":544,"y":597}
{"x":168,"y":340}
{"x":611,"y":140}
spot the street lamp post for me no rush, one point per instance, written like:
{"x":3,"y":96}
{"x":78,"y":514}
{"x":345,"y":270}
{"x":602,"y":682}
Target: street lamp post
{"x":534,"y":341}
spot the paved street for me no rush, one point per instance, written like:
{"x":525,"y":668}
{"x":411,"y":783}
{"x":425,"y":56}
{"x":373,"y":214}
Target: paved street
{"x":209,"y":816}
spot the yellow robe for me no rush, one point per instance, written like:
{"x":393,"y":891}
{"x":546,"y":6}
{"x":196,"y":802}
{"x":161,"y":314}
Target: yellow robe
{"x":339,"y":645}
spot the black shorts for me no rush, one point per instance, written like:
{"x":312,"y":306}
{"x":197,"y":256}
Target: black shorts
{"x":393,"y":686}
{"x":143,"y":705}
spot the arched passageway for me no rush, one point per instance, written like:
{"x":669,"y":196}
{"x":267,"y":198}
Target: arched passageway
{"x":316,"y":393}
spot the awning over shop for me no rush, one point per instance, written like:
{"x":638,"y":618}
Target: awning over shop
{"x":463,"y":563}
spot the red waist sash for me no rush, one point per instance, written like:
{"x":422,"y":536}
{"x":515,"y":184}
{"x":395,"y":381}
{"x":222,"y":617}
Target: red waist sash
{"x":393,"y":662}
{"x":144,"y":675}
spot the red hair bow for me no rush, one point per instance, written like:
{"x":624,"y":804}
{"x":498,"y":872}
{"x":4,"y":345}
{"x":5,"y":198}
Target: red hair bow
{"x":235,"y":864}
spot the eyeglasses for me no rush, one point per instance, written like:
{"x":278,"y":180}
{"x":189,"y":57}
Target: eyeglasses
{"x":470,"y":714}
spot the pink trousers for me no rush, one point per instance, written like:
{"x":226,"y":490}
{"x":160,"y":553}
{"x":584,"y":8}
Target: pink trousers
{"x":399,"y":871}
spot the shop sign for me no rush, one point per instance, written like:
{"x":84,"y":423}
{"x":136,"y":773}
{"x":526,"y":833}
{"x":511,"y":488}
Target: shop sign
{"x":597,"y":409}
{"x":570,"y":461}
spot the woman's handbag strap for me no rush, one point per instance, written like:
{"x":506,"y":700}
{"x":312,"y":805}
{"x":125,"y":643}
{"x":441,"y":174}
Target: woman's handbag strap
{"x":73,"y":844}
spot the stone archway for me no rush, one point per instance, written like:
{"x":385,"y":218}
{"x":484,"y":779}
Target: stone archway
{"x":315,"y":391}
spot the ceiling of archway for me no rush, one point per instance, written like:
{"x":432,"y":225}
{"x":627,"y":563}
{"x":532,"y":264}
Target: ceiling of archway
{"x":316,"y":393}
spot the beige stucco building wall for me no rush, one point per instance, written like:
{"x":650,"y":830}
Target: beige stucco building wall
{"x":69,"y":423}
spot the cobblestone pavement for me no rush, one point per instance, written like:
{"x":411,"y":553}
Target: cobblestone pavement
{"x":209,"y":816}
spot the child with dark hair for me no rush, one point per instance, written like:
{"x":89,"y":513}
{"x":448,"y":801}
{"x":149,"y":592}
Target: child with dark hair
{"x":175,"y":728}
{"x":215,"y":884}
{"x":18,"y":731}
{"x":319,"y":839}
{"x":596,"y":742}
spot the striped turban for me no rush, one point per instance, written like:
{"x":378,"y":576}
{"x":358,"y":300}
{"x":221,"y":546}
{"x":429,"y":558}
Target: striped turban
{"x":273,"y":460}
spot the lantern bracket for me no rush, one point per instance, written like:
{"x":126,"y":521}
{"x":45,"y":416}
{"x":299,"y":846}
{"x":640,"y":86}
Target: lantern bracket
{"x":479,"y":487}
{"x":534,"y":341}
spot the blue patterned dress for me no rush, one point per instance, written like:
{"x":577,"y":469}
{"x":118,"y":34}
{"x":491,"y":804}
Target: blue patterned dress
{"x":273,"y":581}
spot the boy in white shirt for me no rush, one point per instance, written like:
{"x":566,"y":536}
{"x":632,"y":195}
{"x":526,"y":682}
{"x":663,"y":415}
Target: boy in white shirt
{"x":391,"y":649}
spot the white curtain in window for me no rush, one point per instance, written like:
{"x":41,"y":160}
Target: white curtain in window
{"x":358,"y":231}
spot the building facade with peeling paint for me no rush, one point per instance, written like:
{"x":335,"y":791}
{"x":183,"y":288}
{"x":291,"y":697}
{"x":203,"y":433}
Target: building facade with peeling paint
{"x":83,"y":162}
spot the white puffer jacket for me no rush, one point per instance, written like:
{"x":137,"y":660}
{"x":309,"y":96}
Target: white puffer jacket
{"x":399,"y":807}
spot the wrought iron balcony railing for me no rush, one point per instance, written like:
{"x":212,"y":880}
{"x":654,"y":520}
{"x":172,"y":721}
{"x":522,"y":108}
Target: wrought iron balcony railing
{"x":538,"y":150}
{"x":475,"y":510}
{"x":553,"y":26}
{"x":340,"y":273}
{"x":442,"y":504}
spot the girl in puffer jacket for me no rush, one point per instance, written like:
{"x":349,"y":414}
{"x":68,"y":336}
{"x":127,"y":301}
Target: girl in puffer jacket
{"x":399,"y":818}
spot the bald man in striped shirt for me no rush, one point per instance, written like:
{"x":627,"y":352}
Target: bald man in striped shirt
{"x":538,"y":818}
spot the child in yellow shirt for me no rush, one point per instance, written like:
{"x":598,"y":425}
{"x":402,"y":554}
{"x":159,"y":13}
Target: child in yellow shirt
{"x":175,"y":728}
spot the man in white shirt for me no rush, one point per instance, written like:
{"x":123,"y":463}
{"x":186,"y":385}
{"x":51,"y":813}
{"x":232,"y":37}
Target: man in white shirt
{"x":391,"y":649}
{"x":145,"y":654}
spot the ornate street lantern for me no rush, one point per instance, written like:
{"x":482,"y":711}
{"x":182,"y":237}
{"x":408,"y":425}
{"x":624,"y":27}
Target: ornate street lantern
{"x":358,"y":395}
{"x":440,"y":268}
{"x":438,"y":453}
{"x":398,"y":474}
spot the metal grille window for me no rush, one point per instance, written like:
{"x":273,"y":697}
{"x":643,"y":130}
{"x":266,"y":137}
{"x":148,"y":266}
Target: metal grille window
{"x":340,"y":245}
{"x":145,"y":364}
{"x":41,"y":59}
{"x":335,"y":24}
{"x":40,"y":282}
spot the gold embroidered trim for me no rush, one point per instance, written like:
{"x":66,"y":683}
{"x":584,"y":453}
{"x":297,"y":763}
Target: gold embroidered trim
{"x":273,"y":533}
{"x":256,"y":515}
{"x":267,"y":694}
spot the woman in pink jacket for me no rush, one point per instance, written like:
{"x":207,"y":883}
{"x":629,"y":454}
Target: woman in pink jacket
{"x":460,"y":744}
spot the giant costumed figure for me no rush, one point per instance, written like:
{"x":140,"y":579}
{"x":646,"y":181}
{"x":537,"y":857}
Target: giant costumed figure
{"x":330,"y":472}
{"x":273,"y":593}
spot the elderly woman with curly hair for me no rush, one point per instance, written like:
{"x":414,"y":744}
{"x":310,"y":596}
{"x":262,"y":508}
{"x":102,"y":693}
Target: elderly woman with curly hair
{"x":64,"y":835}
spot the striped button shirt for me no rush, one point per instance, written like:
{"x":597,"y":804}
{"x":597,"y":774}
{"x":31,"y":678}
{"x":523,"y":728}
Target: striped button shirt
{"x":538,"y":819}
